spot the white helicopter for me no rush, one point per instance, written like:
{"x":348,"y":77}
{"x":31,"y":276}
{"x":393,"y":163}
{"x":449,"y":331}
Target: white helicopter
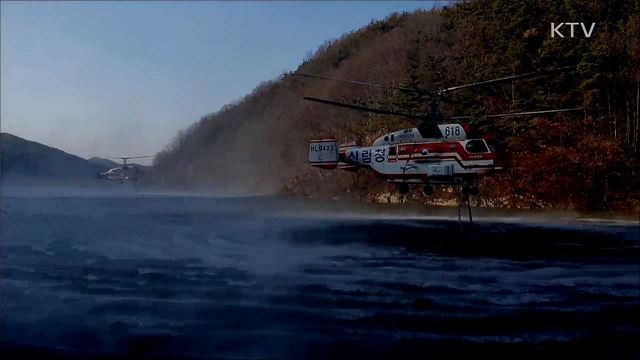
{"x":125,"y":172}
{"x":432,"y":153}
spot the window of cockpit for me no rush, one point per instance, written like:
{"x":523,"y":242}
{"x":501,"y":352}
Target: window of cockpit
{"x":393,"y":151}
{"x":476,"y":146}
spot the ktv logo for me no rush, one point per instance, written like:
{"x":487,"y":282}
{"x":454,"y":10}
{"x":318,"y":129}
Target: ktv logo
{"x":556,"y":29}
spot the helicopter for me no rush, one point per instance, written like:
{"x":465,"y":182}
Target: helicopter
{"x":435,"y":152}
{"x":125,"y":172}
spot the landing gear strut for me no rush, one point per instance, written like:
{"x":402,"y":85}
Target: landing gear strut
{"x":404,"y":189}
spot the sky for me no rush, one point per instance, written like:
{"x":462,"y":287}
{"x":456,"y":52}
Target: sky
{"x":121,"y":78}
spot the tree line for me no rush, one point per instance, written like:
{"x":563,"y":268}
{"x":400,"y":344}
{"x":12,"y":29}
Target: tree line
{"x":584,"y":160}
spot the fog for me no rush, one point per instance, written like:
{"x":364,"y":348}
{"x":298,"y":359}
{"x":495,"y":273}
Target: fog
{"x":289,"y":206}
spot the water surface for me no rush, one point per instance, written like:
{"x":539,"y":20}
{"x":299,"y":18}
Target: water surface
{"x":199,"y":277}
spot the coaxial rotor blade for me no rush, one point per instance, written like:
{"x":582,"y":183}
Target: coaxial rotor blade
{"x":363,"y":108}
{"x":130,"y":157}
{"x":528,"y":75}
{"x":526,"y":113}
{"x":401,"y":88}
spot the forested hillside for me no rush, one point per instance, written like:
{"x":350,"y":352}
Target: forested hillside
{"x":583,"y":160}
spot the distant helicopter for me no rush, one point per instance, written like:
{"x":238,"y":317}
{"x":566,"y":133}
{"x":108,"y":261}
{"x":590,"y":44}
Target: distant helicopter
{"x":433,"y":153}
{"x":125,"y":172}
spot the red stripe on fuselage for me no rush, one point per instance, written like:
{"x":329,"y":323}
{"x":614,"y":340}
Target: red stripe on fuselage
{"x":415,"y":150}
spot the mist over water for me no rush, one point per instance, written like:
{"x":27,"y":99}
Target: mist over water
{"x":138,"y":273}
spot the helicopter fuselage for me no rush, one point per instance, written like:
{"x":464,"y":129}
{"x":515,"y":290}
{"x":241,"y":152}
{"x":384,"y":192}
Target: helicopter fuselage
{"x":445,"y":132}
{"x":421,"y":161}
{"x":124,"y":173}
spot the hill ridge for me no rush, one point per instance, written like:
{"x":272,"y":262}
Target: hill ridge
{"x":23,"y":157}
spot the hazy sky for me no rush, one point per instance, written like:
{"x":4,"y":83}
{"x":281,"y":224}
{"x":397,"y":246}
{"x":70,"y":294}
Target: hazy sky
{"x":121,"y":78}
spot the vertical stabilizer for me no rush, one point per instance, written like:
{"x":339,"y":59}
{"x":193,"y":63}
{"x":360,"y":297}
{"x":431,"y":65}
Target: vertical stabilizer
{"x":323,"y":153}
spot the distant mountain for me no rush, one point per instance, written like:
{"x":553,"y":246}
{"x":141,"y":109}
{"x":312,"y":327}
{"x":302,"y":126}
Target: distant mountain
{"x":21,"y":157}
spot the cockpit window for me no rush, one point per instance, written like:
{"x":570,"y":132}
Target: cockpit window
{"x":476,"y":146}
